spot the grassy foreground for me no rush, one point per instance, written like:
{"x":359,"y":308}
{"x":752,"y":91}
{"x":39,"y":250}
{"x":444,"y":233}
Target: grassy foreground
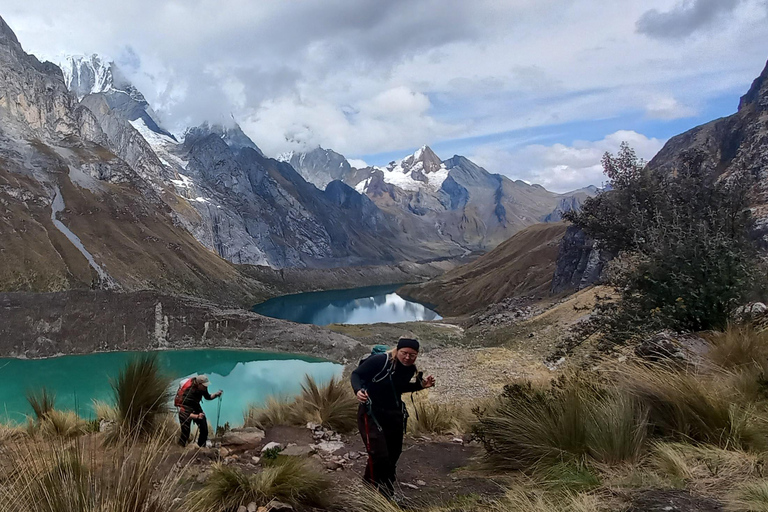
{"x":588,"y":441}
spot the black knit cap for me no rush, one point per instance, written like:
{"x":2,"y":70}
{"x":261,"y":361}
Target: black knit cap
{"x":408,"y":343}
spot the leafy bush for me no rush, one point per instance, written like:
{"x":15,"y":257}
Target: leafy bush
{"x":142,"y":396}
{"x":684,"y":236}
{"x":292,"y":480}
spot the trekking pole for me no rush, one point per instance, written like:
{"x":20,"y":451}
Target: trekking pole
{"x":218,"y":415}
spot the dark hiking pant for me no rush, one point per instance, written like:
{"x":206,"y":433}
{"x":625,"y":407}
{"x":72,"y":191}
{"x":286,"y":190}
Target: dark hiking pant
{"x":383,"y":445}
{"x":186,"y":425}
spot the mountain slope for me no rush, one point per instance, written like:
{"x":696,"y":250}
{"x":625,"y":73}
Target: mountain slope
{"x":522,"y":265}
{"x":460,"y":200}
{"x":75,"y":215}
{"x":739,"y":141}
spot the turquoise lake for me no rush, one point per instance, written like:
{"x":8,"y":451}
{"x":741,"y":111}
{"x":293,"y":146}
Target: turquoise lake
{"x":366,"y":305}
{"x":245,"y":376}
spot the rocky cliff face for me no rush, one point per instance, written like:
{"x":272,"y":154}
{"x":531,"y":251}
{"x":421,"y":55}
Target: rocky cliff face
{"x":579,"y":262}
{"x":737,"y":142}
{"x":319,"y":166}
{"x":75,"y":213}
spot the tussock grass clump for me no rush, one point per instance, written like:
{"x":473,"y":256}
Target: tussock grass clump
{"x":292,"y":481}
{"x":569,"y":421}
{"x":42,"y":402}
{"x":105,"y":411}
{"x":738,"y":346}
{"x":65,"y":424}
{"x":142,"y":396}
{"x":333,"y":405}
{"x":751,"y":497}
{"x":689,"y":406}
{"x":79,"y":477}
{"x":426,"y":417}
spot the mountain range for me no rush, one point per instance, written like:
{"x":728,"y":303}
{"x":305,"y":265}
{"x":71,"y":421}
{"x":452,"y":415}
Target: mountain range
{"x":97,"y":193}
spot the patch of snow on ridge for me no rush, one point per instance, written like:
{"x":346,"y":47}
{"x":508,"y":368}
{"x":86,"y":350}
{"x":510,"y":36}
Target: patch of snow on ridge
{"x":159,"y":143}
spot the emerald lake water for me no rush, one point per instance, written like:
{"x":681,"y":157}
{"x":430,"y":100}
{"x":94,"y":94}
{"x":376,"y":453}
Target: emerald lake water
{"x":366,"y":305}
{"x":245,"y":376}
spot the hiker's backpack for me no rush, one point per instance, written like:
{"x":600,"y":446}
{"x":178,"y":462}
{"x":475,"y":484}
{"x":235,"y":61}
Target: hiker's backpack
{"x":184,"y":386}
{"x":377,"y":349}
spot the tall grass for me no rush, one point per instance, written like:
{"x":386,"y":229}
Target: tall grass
{"x":64,"y":424}
{"x":751,"y":497}
{"x":333,"y":405}
{"x":737,"y":347}
{"x":531,"y":426}
{"x":293,"y":481}
{"x":686,"y":405}
{"x":426,"y":418}
{"x":142,"y":396}
{"x":42,"y":402}
{"x":79,"y":477}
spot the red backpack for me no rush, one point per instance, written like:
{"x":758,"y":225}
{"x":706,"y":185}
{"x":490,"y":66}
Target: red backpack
{"x":184,"y":386}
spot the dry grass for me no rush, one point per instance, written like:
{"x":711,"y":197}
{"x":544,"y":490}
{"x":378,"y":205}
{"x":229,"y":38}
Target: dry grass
{"x":64,"y":424}
{"x":738,"y":346}
{"x":42,"y":402}
{"x":292,"y":481}
{"x":141,"y":393}
{"x":427,"y":417}
{"x":333,"y":405}
{"x":531,"y":426}
{"x":751,"y":497}
{"x":686,"y":405}
{"x":78,"y":477}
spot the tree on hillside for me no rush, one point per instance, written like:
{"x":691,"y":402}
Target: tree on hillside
{"x":686,"y":258}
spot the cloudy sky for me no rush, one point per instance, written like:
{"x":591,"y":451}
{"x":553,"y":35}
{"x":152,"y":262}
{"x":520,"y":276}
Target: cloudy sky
{"x":534,"y":89}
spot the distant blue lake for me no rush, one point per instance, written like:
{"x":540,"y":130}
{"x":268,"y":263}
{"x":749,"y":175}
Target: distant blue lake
{"x":368,"y":305}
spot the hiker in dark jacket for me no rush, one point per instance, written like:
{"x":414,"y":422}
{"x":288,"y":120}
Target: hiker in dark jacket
{"x":193,"y":391}
{"x":378,"y":383}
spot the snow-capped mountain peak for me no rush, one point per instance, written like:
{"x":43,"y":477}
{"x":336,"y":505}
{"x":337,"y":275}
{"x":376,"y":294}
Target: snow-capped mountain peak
{"x":421,"y":169}
{"x":87,"y":75}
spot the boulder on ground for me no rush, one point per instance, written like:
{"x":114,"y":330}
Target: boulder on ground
{"x":248,"y":437}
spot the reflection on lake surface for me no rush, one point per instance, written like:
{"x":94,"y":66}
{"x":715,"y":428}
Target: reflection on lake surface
{"x":246,"y":377}
{"x":367,"y":305}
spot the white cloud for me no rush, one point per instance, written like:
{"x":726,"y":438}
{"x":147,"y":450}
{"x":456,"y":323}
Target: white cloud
{"x":562,"y":168}
{"x":357,"y":163}
{"x":366,"y":76}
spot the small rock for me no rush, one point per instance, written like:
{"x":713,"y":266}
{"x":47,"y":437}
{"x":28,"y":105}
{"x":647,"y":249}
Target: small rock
{"x":223,"y":452}
{"x":353,"y":455}
{"x":252,"y":507}
{"x":270,"y":446}
{"x":297,"y":451}
{"x":242,"y":508}
{"x":410,"y":486}
{"x":250,"y":436}
{"x":421,"y":483}
{"x":314,"y":426}
{"x":458,"y":440}
{"x":330,"y":446}
{"x":332,"y":465}
{"x":278,"y":506}
{"x":255,"y":459}
{"x":202,"y":477}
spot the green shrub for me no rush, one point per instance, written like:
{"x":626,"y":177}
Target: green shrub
{"x":687,"y":255}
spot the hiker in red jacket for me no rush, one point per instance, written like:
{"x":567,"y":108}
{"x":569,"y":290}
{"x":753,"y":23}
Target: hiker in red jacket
{"x":188,"y":398}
